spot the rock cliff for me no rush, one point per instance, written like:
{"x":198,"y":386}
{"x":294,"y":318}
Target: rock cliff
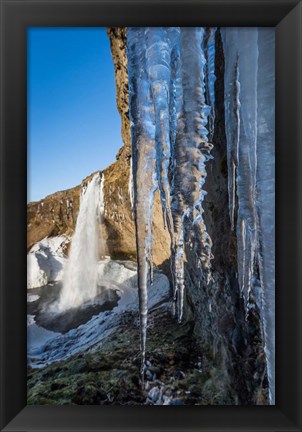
{"x":57,"y":213}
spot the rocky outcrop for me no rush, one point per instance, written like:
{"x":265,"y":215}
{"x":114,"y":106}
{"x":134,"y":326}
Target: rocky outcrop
{"x":54,"y":215}
{"x":117,"y":37}
{"x":57,"y":213}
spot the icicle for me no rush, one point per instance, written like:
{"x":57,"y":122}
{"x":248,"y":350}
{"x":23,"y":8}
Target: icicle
{"x":241,"y":54}
{"x":130,"y":185}
{"x":158,"y":59}
{"x":209,"y":50}
{"x":144,"y":168}
{"x":266,"y":193}
{"x":249,"y":59}
{"x":232,"y":111}
{"x":179,"y":283}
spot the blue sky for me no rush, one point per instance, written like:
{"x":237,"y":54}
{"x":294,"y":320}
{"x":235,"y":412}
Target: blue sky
{"x":73,"y":124}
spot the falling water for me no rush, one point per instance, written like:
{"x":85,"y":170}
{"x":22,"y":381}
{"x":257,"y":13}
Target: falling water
{"x":80,"y":275}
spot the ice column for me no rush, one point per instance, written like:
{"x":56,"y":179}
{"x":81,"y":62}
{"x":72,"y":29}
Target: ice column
{"x":143,"y":166}
{"x":266,"y":193}
{"x":249,"y":120}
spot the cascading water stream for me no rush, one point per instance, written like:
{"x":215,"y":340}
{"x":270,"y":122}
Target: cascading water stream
{"x":80,"y":274}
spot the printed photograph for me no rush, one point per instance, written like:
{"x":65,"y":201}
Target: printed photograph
{"x":151,"y":216}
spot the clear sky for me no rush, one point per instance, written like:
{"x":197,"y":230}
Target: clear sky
{"x":73,"y":124}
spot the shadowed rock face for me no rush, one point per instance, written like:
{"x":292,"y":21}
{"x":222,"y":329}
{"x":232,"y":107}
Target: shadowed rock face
{"x":215,"y":309}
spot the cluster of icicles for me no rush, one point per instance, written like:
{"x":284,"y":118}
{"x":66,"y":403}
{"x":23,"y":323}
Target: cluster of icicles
{"x":172,"y":110}
{"x":171,"y":87}
{"x":250,"y":129}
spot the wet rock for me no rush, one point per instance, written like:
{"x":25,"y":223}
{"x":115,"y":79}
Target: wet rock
{"x":167,"y":400}
{"x":149,"y":375}
{"x":176,"y":402}
{"x":179,"y":375}
{"x":154,"y":394}
{"x":57,"y":386}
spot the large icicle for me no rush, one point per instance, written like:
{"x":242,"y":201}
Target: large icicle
{"x":190,"y":154}
{"x":241,"y":54}
{"x":143,"y":166}
{"x":232,"y":113}
{"x":249,"y":116}
{"x":266,"y":193}
{"x":209,"y":51}
{"x":130,"y":184}
{"x":158,"y":59}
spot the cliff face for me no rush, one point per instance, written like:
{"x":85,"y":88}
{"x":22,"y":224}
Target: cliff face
{"x":117,"y":37}
{"x":57,"y":213}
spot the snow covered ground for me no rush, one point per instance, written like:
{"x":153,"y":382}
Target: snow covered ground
{"x":44,"y":346}
{"x":36,"y":335}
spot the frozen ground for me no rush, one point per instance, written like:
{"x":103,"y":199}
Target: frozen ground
{"x":99,"y":318}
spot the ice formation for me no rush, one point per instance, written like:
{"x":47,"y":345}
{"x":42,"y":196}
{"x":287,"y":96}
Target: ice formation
{"x":170,"y":82}
{"x":80,"y":273}
{"x":172,"y":111}
{"x":250,"y":129}
{"x":130,"y":185}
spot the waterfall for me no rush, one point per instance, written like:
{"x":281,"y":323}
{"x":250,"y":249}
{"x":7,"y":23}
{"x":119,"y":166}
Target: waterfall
{"x":80,"y":274}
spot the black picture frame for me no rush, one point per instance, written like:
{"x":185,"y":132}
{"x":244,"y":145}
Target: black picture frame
{"x":16,"y":17}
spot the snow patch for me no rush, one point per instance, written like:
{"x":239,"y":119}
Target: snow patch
{"x":36,"y":335}
{"x":32,"y":298}
{"x":45,"y":261}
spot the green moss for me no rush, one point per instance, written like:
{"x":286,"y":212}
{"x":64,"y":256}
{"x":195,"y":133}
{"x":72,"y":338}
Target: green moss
{"x":110,"y":375}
